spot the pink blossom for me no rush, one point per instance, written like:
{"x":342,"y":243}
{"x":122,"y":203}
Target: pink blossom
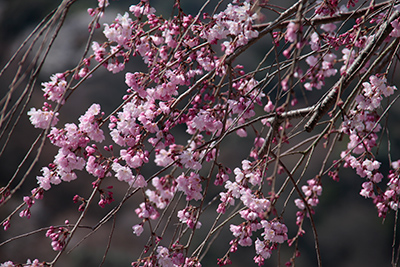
{"x":227,"y":198}
{"x":83,"y":72}
{"x":393,"y":205}
{"x":262,"y":249}
{"x":314,"y":42}
{"x":236,"y":230}
{"x":69,"y":138}
{"x":242,"y":233}
{"x":245,"y":241}
{"x":165,"y":91}
{"x":249,"y":174}
{"x":103,"y":3}
{"x":371,"y":164}
{"x":7,"y":264}
{"x":55,"y":89}
{"x":396,"y":164}
{"x":163,"y":158}
{"x":234,"y":20}
{"x":120,"y":31}
{"x":253,"y":203}
{"x":137,"y":229}
{"x":127,"y":130}
{"x":140,"y":182}
{"x":191,"y":186}
{"x":269,"y":107}
{"x":188,"y":83}
{"x":188,"y":158}
{"x":238,"y":107}
{"x":396,"y":28}
{"x":115,"y":67}
{"x":34,"y":263}
{"x":188,"y":216}
{"x":192,"y":262}
{"x":146,"y":210}
{"x":142,"y":10}
{"x":67,"y":161}
{"x":299,"y":203}
{"x":205,"y":60}
{"x":274,"y":231}
{"x":131,"y":158}
{"x":312,"y":61}
{"x":388,"y":90}
{"x":47,"y":179}
{"x":58,"y":237}
{"x":157,"y":40}
{"x":313,"y":188}
{"x":239,"y":175}
{"x":123,"y":174}
{"x":131,"y":79}
{"x":89,"y":124}
{"x":363,"y":126}
{"x":217,"y":32}
{"x":234,"y":188}
{"x":163,"y":257}
{"x":221,"y":177}
{"x":42,"y":118}
{"x":329,"y":27}
{"x":367,"y":190}
{"x":94,"y":167}
{"x":291,"y":33}
{"x":163,"y":194}
{"x":99,"y":51}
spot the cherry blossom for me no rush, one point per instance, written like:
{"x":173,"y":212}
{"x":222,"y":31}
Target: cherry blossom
{"x":123,"y":173}
{"x":55,"y":89}
{"x":58,"y":237}
{"x":364,"y":125}
{"x":42,"y":118}
{"x":291,"y":33}
{"x":396,"y":29}
{"x":137,"y":229}
{"x":190,"y":185}
{"x":188,"y":217}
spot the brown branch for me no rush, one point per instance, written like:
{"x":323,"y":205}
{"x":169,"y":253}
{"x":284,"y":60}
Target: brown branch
{"x":325,"y":20}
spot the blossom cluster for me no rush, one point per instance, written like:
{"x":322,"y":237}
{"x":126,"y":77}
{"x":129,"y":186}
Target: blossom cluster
{"x":362,"y":126}
{"x":188,"y":216}
{"x":169,"y":258}
{"x":235,"y":21}
{"x":58,"y":237}
{"x":71,"y":139}
{"x":274,"y":233}
{"x":29,"y":263}
{"x":239,"y":190}
{"x":311,"y":192}
{"x":44,"y":117}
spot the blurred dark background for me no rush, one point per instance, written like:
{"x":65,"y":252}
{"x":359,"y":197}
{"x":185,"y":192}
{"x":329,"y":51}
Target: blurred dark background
{"x":349,"y":232}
